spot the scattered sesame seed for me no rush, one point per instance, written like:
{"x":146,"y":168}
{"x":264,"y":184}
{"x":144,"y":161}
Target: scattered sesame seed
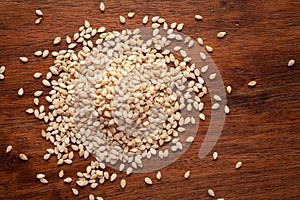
{"x":123,"y":183}
{"x":122,"y":19}
{"x":226,"y":109}
{"x":238,"y":165}
{"x":228,"y":89}
{"x":221,"y":35}
{"x":209,"y":49}
{"x":102,"y":7}
{"x":23,"y":157}
{"x":198,"y":17}
{"x":187,"y":174}
{"x":38,"y":20}
{"x":148,"y":181}
{"x":20,"y":92}
{"x":211,"y":192}
{"x":131,"y":14}
{"x":8,"y":149}
{"x":215,"y":155}
{"x":158,"y":175}
{"x":56,"y":40}
{"x":145,"y":19}
{"x":252,"y":83}
{"x":75,"y":191}
{"x":291,"y":63}
{"x":23,"y":59}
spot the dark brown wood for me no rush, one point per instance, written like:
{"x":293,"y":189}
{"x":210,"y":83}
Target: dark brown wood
{"x":262,"y":129}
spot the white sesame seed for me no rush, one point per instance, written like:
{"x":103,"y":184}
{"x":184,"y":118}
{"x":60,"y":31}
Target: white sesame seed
{"x":56,"y":40}
{"x":145,"y":19}
{"x":187,"y":174}
{"x":122,"y":19}
{"x":291,"y":63}
{"x":204,"y":69}
{"x":102,"y":7}
{"x":38,"y":93}
{"x":45,"y":53}
{"x":68,"y":180}
{"x":148,"y":181}
{"x":228,"y":89}
{"x":61,"y":174}
{"x":8,"y":149}
{"x":24,"y":59}
{"x":202,"y":116}
{"x":200,"y":41}
{"x":180,"y":26}
{"x":20,"y":92}
{"x":252,"y":83}
{"x":238,"y":165}
{"x":75,"y":191}
{"x":23,"y":157}
{"x":221,"y":35}
{"x":209,"y":49}
{"x":190,"y":139}
{"x":198,"y":17}
{"x":158,"y":175}
{"x":38,"y":53}
{"x":211,"y":192}
{"x":38,"y":20}
{"x":131,"y":14}
{"x":123,"y":183}
{"x":44,"y":181}
{"x":215,"y":155}
{"x":113,"y":177}
{"x":39,"y":12}
{"x":212,"y":76}
{"x":217,"y":98}
{"x":40,"y":176}
{"x":226,"y":109}
{"x":215,"y":106}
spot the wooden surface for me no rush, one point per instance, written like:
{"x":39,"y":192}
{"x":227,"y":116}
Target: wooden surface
{"x":262,"y":130}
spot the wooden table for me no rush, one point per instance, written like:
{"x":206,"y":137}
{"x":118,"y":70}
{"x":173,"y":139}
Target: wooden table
{"x":262,"y":129}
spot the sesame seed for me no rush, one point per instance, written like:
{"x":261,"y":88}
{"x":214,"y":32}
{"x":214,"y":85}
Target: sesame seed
{"x":212,"y":76}
{"x":40,"y":176}
{"x":190,"y":139}
{"x":238,"y":165}
{"x":75,"y":191}
{"x":226,"y":109}
{"x":56,"y":40}
{"x":198,"y":17}
{"x":68,"y":180}
{"x":228,"y":89}
{"x":148,"y":181}
{"x":252,"y":83}
{"x":122,"y":19}
{"x":23,"y":59}
{"x":200,"y":41}
{"x":8,"y":149}
{"x":131,"y":14}
{"x":61,"y":173}
{"x":45,"y":53}
{"x":38,"y":53}
{"x":20,"y":92}
{"x":145,"y":19}
{"x":39,"y":12}
{"x":44,"y":181}
{"x":291,"y":63}
{"x":187,"y":174}
{"x":102,"y":7}
{"x":123,"y":183}
{"x":158,"y":175}
{"x":209,"y":49}
{"x":221,"y":35}
{"x":215,"y":155}
{"x":211,"y":192}
{"x":23,"y":157}
{"x":38,"y":20}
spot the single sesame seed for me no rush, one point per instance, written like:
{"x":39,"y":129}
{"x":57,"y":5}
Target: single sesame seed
{"x":212,"y":76}
{"x":8,"y":149}
{"x":21,"y":92}
{"x":44,"y":181}
{"x":38,"y":20}
{"x":200,"y":41}
{"x":23,"y":157}
{"x":102,"y":7}
{"x":211,"y":192}
{"x":56,"y":40}
{"x":75,"y":191}
{"x":291,"y":63}
{"x":39,"y":12}
{"x":187,"y":174}
{"x":38,"y":53}
{"x":68,"y":180}
{"x":123,"y":183}
{"x":221,"y":35}
{"x":215,"y":155}
{"x":61,"y":173}
{"x":198,"y":17}
{"x":215,"y":106}
{"x":40,"y":176}
{"x":122,"y":19}
{"x":158,"y":175}
{"x":228,"y":89}
{"x":190,"y":139}
{"x":252,"y":83}
{"x":148,"y":181}
{"x":45,"y":53}
{"x":23,"y":59}
{"x":209,"y":49}
{"x":238,"y":165}
{"x":131,"y":14}
{"x":180,"y":27}
{"x":145,"y":19}
{"x":226,"y":109}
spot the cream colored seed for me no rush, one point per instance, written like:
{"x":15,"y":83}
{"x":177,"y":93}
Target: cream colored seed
{"x":291,"y":63}
{"x":209,"y":49}
{"x":40,"y":176}
{"x":215,"y":106}
{"x":46,"y":83}
{"x":24,"y":59}
{"x":158,"y":175}
{"x":38,"y":20}
{"x":211,"y":192}
{"x":38,"y":93}
{"x":29,"y":110}
{"x":61,"y":173}
{"x":187,"y":174}
{"x":131,"y":14}
{"x":252,"y":83}
{"x":44,"y":181}
{"x":20,"y":92}
{"x":68,"y":39}
{"x":122,"y":19}
{"x":8,"y":149}
{"x":215,"y":155}
{"x":198,"y":17}
{"x":202,"y":116}
{"x":47,"y":156}
{"x":228,"y":89}
{"x":200,"y":41}
{"x":75,"y":191}
{"x":238,"y":165}
{"x":123,"y":183}
{"x":2,"y":69}
{"x":68,"y":180}
{"x":148,"y":181}
{"x":226,"y":109}
{"x":180,"y":27}
{"x":190,"y":139}
{"x":212,"y":76}
{"x":39,"y":12}
{"x":113,"y":177}
{"x":1,"y":77}
{"x":23,"y":157}
{"x":36,"y":101}
{"x":87,"y":24}
{"x":56,"y":40}
{"x":38,"y":53}
{"x":99,"y":198}
{"x":145,"y":19}
{"x":221,"y":35}
{"x":45,"y":53}
{"x":217,"y":98}
{"x":91,"y":197}
{"x":102,"y":7}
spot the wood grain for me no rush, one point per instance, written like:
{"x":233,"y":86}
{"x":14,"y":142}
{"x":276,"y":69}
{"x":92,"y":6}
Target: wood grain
{"x":262,"y":130}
